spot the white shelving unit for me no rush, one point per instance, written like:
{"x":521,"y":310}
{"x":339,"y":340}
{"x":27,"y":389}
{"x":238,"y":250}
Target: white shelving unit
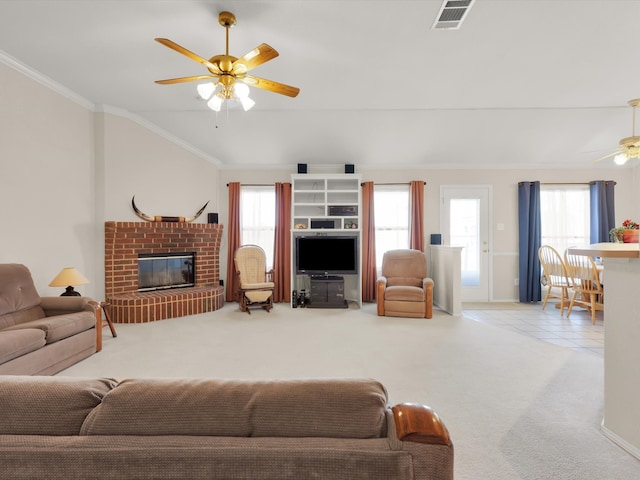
{"x":322,"y":202}
{"x":326,"y":204}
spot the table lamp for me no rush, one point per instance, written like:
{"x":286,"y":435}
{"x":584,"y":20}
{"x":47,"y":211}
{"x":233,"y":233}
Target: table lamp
{"x":67,"y":278}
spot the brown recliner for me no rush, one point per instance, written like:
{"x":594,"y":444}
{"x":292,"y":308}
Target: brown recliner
{"x":403,"y":289}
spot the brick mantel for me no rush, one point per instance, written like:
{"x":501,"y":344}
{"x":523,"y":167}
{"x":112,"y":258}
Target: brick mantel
{"x":124,"y":241}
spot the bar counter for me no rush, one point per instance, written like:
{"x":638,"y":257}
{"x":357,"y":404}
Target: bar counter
{"x":608,"y":250}
{"x":621,"y":341}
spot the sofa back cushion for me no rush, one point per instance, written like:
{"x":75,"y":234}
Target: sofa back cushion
{"x":19,"y":300}
{"x":296,"y":408}
{"x":48,"y":405}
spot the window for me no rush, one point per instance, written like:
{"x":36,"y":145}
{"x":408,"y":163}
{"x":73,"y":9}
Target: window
{"x":564,"y":215}
{"x":258,"y":218}
{"x":391,"y":204}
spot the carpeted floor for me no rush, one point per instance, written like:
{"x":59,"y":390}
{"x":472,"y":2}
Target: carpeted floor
{"x":516,"y":407}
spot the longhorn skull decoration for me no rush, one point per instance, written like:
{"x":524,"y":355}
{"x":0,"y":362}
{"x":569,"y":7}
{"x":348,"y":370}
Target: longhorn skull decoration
{"x":162,"y":218}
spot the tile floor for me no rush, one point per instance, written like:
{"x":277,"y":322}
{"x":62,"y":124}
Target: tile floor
{"x":576,"y":332}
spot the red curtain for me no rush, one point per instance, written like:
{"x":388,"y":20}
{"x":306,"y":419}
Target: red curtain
{"x":233,"y":235}
{"x":416,"y":215}
{"x":369,"y":273}
{"x":282,"y":244}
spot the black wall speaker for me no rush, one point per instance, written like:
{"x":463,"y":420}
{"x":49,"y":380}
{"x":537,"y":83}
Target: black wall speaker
{"x":212,"y":217}
{"x":302,"y":168}
{"x":349,"y":168}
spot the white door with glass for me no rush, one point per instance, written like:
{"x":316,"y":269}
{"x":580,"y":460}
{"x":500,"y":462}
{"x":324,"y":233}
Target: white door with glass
{"x":465,"y":222}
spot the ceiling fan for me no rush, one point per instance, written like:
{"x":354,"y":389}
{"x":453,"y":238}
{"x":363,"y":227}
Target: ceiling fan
{"x":229,"y":74}
{"x":629,"y":146}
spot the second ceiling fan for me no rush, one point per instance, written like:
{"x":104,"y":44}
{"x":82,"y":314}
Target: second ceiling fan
{"x":629,"y":146}
{"x":229,"y":74}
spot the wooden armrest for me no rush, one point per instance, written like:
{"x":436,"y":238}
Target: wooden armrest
{"x":420,"y":424}
{"x":98,"y":313}
{"x":381,"y":284}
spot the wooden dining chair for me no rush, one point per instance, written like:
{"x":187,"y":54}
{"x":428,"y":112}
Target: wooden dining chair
{"x":587,"y":289}
{"x":554,"y":276}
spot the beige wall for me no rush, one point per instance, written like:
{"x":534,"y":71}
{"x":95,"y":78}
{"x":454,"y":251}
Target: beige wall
{"x":46,"y":181}
{"x":65,"y":170}
{"x":165,"y":178}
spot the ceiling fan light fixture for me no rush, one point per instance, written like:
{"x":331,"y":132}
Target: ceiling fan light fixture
{"x":247,"y":103}
{"x":205,"y":90}
{"x":215,"y":103}
{"x":241,"y":90}
{"x":218,"y":93}
{"x":620,"y":159}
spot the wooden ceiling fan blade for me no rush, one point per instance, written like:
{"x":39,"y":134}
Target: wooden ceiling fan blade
{"x":188,"y":53}
{"x":170,"y":81}
{"x":608,"y":155}
{"x":271,"y":86}
{"x":256,"y":57}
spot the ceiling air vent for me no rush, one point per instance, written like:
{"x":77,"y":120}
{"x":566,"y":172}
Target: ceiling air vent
{"x":451,"y":14}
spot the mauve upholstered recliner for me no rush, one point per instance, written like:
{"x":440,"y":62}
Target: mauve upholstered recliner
{"x":404,"y":288}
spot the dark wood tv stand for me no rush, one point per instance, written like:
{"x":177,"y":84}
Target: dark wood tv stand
{"x":327,"y":291}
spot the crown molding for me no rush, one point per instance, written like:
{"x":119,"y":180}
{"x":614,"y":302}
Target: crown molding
{"x":69,"y":94}
{"x":152,"y":127}
{"x":44,"y":80}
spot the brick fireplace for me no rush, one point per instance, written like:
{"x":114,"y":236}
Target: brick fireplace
{"x":124,"y":241}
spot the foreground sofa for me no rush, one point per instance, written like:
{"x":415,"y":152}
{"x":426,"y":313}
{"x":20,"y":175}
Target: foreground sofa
{"x":43,"y":335}
{"x":66,"y":428}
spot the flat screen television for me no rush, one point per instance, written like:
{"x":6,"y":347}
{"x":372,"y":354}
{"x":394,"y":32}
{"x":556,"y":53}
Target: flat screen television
{"x":327,"y":255}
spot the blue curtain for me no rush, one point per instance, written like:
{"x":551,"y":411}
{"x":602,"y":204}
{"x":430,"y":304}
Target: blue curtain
{"x":529,"y":239}
{"x":602,"y":210}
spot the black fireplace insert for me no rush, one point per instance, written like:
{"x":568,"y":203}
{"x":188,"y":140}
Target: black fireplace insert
{"x":166,"y":270}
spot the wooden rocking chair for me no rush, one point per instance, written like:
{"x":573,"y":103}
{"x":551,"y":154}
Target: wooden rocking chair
{"x":256,"y":285}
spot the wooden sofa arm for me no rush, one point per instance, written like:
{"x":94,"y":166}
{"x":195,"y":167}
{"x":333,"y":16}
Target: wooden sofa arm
{"x":381,"y":284}
{"x":427,"y":285}
{"x":420,"y":424}
{"x":97,"y":308}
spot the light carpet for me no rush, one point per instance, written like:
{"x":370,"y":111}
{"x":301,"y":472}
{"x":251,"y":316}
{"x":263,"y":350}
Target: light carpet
{"x":516,"y":407}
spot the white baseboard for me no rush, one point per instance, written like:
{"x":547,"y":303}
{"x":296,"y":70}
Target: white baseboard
{"x":621,"y":442}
